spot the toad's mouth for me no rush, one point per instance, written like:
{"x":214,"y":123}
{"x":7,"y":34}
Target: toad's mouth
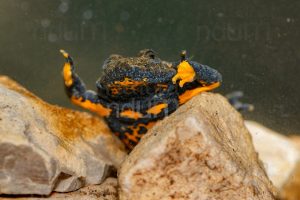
{"x":187,"y":95}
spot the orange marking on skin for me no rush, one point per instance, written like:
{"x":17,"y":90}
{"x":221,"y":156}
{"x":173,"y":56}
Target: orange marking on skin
{"x":97,"y":108}
{"x":150,"y":125}
{"x":187,"y":95}
{"x":67,"y":73}
{"x":157,"y":108}
{"x":185,"y":73}
{"x":162,"y":85}
{"x":127,"y":143}
{"x":129,"y":82}
{"x":114,"y":91}
{"x":132,"y":137}
{"x":131,"y":114}
{"x":135,"y":136}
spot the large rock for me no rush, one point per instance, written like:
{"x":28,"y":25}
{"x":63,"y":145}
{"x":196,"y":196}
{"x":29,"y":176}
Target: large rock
{"x":290,"y":190}
{"x":45,"y":147}
{"x":202,"y":151}
{"x":108,"y":190}
{"x":281,"y":157}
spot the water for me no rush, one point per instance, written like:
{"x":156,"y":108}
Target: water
{"x":254,"y":44}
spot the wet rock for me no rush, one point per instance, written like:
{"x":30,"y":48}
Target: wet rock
{"x":202,"y":151}
{"x":45,"y":147}
{"x":281,"y":157}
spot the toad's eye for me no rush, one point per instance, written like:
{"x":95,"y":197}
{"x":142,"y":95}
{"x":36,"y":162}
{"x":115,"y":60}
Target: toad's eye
{"x":151,"y":54}
{"x":148,"y":53}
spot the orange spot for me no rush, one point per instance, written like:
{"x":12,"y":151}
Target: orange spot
{"x":131,"y":114}
{"x":114,"y":90}
{"x":135,"y":136}
{"x":97,"y":108}
{"x":67,"y":73}
{"x":157,"y":108}
{"x":185,"y":73}
{"x":187,"y":95}
{"x":132,"y":137}
{"x":129,"y":82}
{"x":127,"y":144}
{"x":150,"y":125}
{"x":162,"y":85}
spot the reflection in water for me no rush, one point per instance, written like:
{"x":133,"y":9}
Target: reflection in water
{"x":253,"y":44}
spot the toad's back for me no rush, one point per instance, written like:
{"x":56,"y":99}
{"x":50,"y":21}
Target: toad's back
{"x":134,"y":77}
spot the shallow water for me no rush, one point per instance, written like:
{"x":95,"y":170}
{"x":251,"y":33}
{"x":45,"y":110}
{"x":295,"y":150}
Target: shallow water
{"x":254,"y":44}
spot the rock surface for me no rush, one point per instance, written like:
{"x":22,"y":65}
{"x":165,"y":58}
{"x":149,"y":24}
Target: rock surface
{"x":295,"y":139}
{"x":45,"y":147}
{"x":281,"y":158}
{"x":290,"y":190}
{"x":278,"y":153}
{"x":106,"y":191}
{"x":202,"y":151}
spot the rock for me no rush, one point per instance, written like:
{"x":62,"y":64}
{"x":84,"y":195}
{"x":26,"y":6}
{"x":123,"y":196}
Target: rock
{"x":106,"y":191}
{"x":281,"y":158}
{"x":45,"y":147}
{"x":201,"y":151}
{"x":295,"y":139}
{"x":290,"y":190}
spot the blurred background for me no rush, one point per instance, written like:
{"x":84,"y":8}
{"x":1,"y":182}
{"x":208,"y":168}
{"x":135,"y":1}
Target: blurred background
{"x":254,"y":44}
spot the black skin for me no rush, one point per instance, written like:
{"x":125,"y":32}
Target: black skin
{"x":150,"y":85}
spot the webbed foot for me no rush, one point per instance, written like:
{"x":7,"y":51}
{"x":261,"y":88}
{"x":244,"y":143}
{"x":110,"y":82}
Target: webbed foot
{"x":234,"y":100}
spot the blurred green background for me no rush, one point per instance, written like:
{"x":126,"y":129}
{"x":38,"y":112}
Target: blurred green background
{"x":254,"y":44}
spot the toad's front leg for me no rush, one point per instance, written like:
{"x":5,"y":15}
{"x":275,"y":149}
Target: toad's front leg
{"x":77,"y":92}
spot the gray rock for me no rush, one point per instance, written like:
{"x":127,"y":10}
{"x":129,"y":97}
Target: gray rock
{"x":45,"y":147}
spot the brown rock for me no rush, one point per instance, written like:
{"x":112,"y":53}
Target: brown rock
{"x":45,"y":147}
{"x":290,"y":190}
{"x":202,"y":151}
